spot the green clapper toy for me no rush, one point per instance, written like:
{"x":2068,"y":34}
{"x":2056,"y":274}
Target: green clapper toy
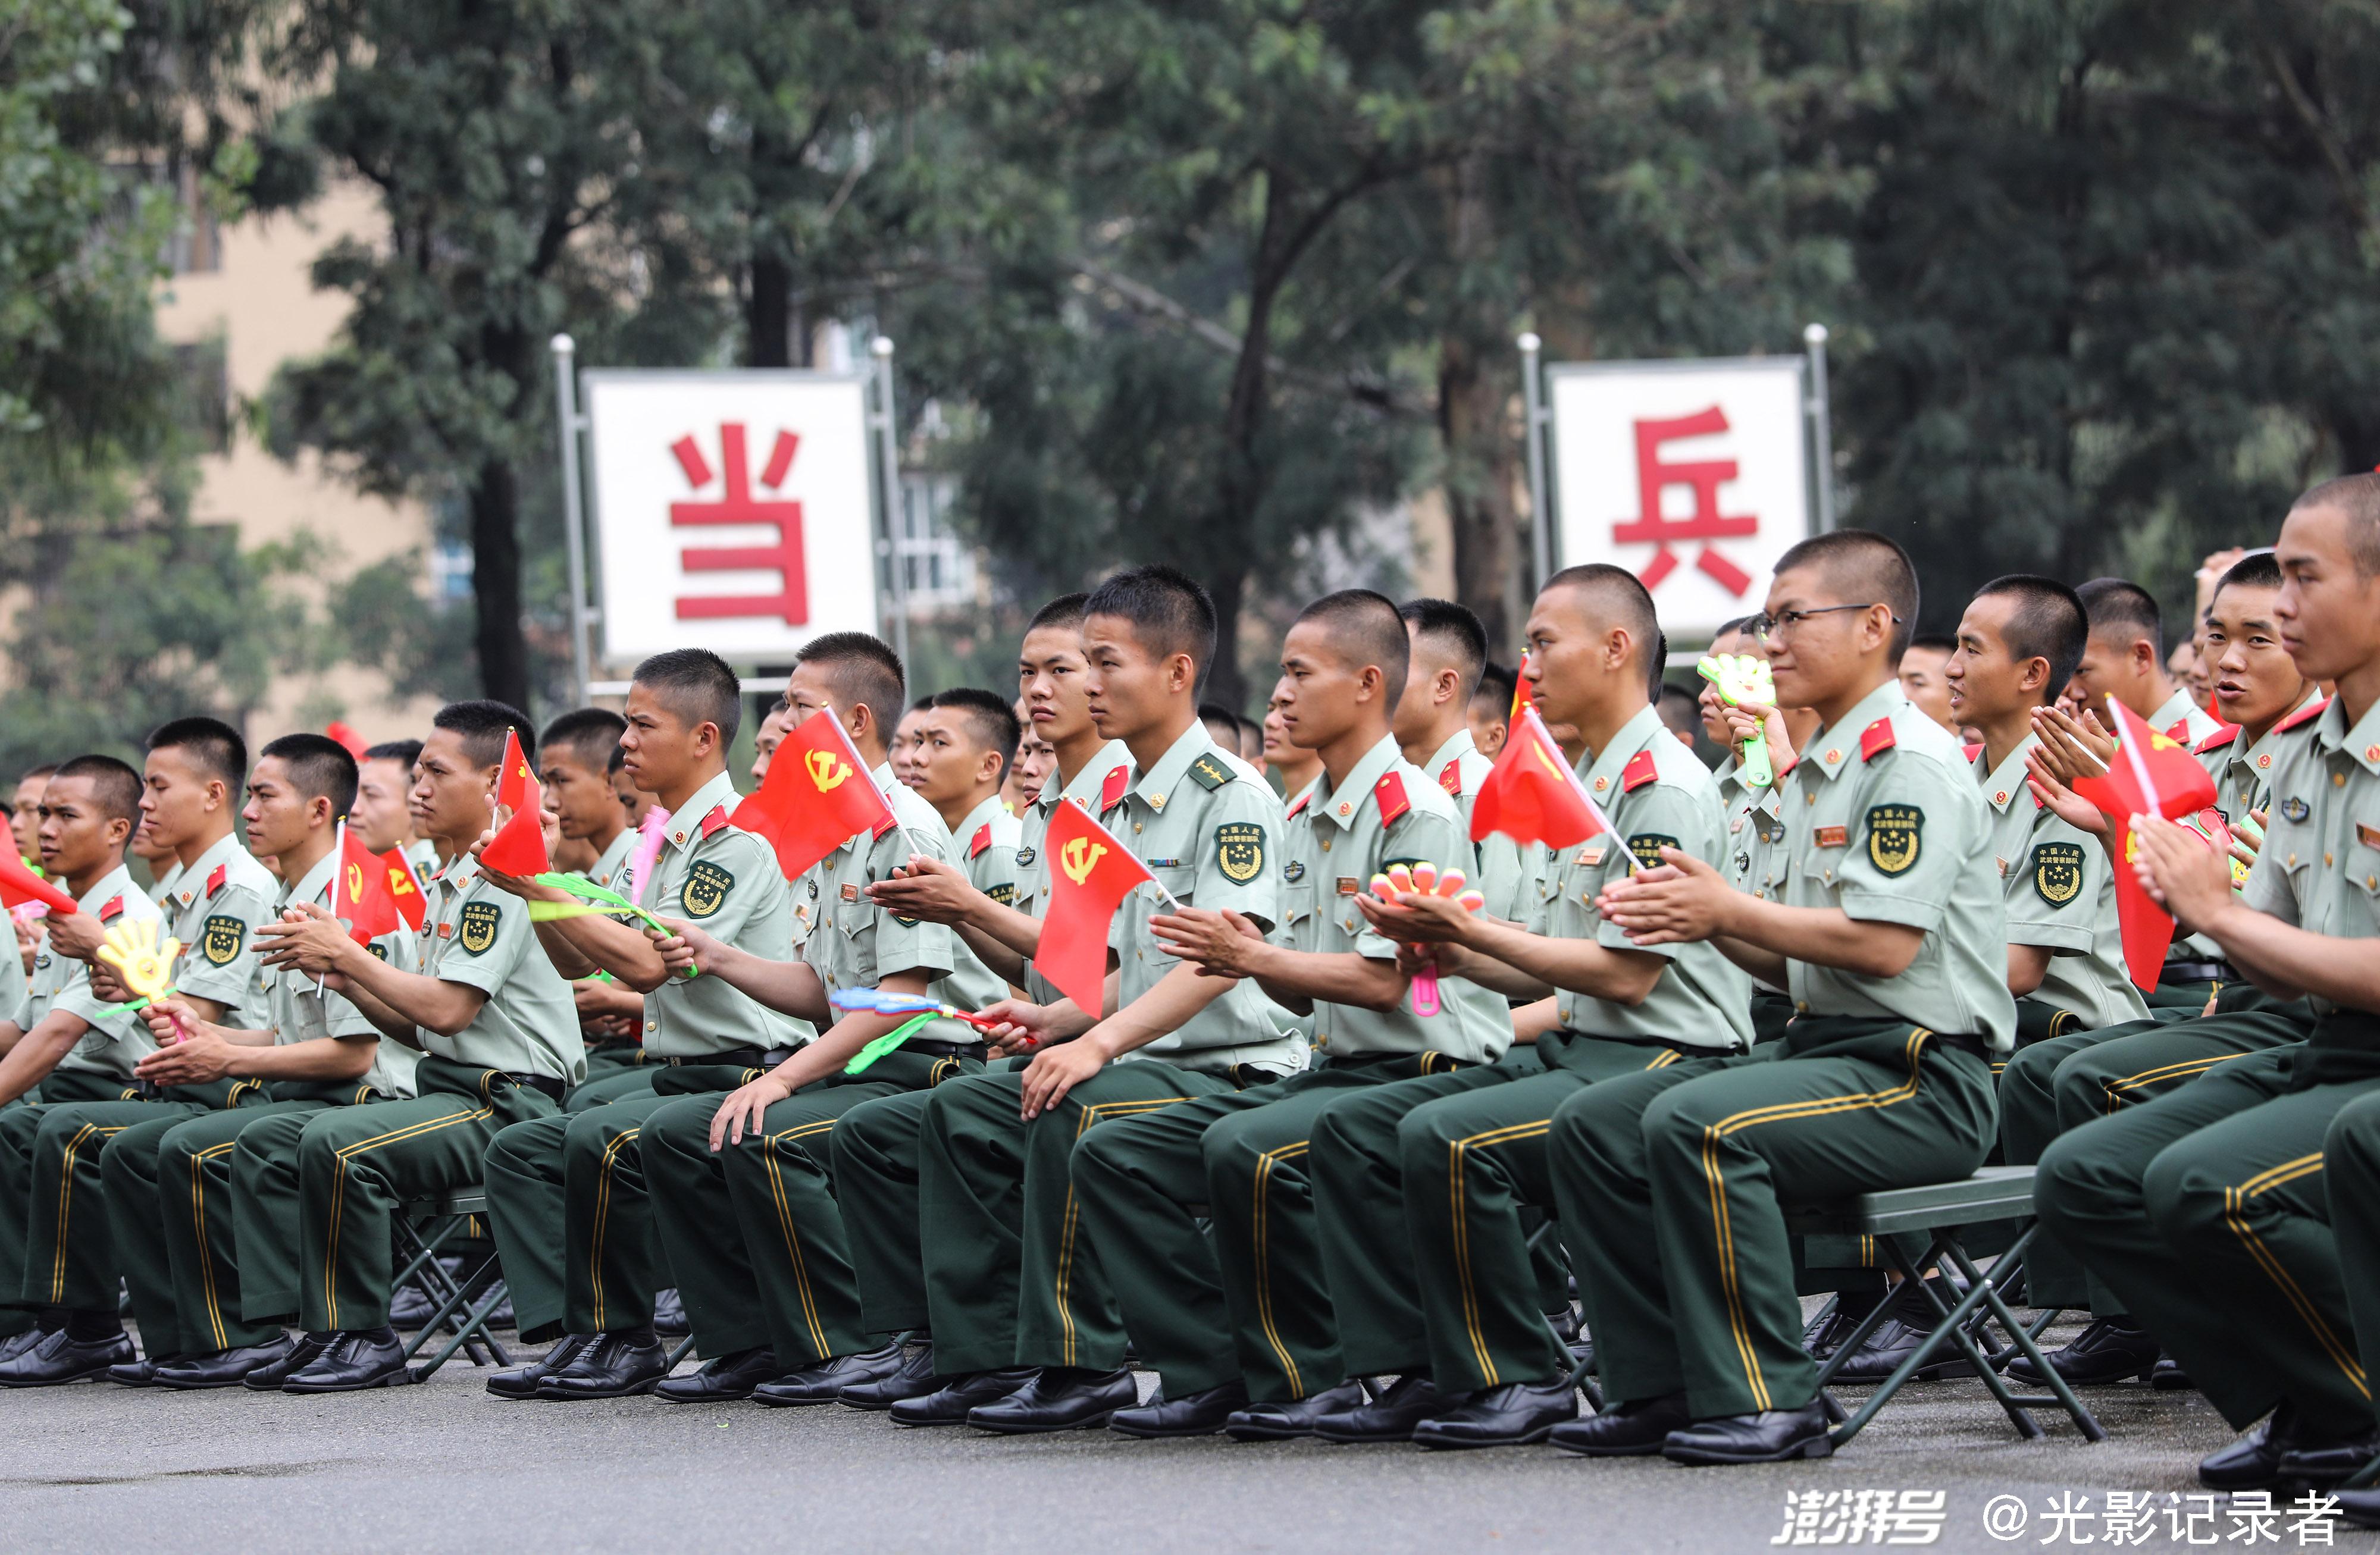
{"x":1740,"y":678}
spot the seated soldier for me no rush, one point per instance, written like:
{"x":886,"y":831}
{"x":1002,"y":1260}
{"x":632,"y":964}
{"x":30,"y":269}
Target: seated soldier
{"x":383,"y":817}
{"x":182,"y":1235}
{"x":1673,"y":1184}
{"x":966,"y":741}
{"x":499,"y":1042}
{"x":574,"y":760}
{"x":1449,"y":651}
{"x":1491,"y":709}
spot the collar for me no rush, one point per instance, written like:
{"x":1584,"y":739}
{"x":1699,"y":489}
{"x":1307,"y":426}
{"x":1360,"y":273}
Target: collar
{"x":1455,"y":749}
{"x":1837,"y":746}
{"x":2178,"y":708}
{"x":1173,"y":769}
{"x":314,"y":885}
{"x":2361,"y":742}
{"x":983,"y":815}
{"x":2003,"y":783}
{"x":193,"y":879}
{"x":115,"y":882}
{"x":462,"y":874}
{"x":1605,"y":767}
{"x":1089,"y":786}
{"x":1341,"y":803}
{"x":612,"y":859}
{"x":2260,"y":755}
{"x":683,"y":829}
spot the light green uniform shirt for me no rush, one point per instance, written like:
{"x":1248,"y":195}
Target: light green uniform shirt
{"x":2180,"y":718}
{"x":1702,"y":1000}
{"x":611,"y":867}
{"x":725,"y":881}
{"x":165,"y":881}
{"x":482,"y":938}
{"x":213,"y":909}
{"x":1504,"y":872}
{"x":1902,"y":836}
{"x":114,"y":1043}
{"x":295,"y":1012}
{"x":421,"y":855}
{"x":1756,"y":831}
{"x":1343,"y":841}
{"x":1210,"y":829}
{"x":2320,"y":865}
{"x":990,"y":839}
{"x":2059,"y":893}
{"x":14,"y":985}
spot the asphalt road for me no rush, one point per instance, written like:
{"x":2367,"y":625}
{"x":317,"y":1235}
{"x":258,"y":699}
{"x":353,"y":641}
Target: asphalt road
{"x":442,"y":1467}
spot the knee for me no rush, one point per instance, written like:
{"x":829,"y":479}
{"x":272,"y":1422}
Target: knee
{"x":681,"y":1128}
{"x":2350,"y":1146}
{"x":1425,"y":1142}
{"x":2186,"y":1198}
{"x":2071,"y":1176}
{"x":1101,"y":1156}
{"x":1233,"y":1154}
{"x":120,"y":1161}
{"x":318,"y":1153}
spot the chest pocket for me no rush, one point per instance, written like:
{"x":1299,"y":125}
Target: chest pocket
{"x":1822,"y":867}
{"x":1181,"y":879}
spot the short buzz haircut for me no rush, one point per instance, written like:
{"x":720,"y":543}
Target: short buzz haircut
{"x":2049,"y":621}
{"x":1063,"y":613}
{"x":1167,"y":610}
{"x":590,"y":734}
{"x":320,"y":767}
{"x":1730,"y":628}
{"x":617,"y":760}
{"x":861,"y":672}
{"x":1217,"y":717}
{"x":1497,"y":682}
{"x":1454,"y":630}
{"x":482,"y":723}
{"x":405,"y":753}
{"x":697,"y":686}
{"x":1681,"y":710}
{"x":44,"y":772}
{"x":989,"y":719}
{"x":1938,"y":642}
{"x":212,"y":745}
{"x":2357,"y":496}
{"x":2122,"y":606}
{"x":2257,"y":569}
{"x":1366,"y":628}
{"x":1654,"y":685}
{"x":114,"y":785}
{"x":1865,"y":568}
{"x":1619,"y":591}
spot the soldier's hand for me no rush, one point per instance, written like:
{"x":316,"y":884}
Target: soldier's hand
{"x":1054,"y":1072}
{"x":929,"y":888}
{"x":1221,"y":944}
{"x":1418,"y":917}
{"x":2073,"y":747}
{"x":1683,"y":899}
{"x":2062,"y":801}
{"x":596,"y":999}
{"x":198,"y":1056}
{"x":742,"y":1111}
{"x":79,"y":935}
{"x":107,"y":984}
{"x":1746,"y":719}
{"x":2248,"y":837}
{"x":304,"y":939}
{"x":685,"y":948}
{"x":2181,"y":871}
{"x":1021,"y":1026}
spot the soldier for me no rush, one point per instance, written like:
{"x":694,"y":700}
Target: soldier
{"x":189,"y":799}
{"x":1433,"y":732}
{"x":634,"y":801}
{"x":1298,"y":768}
{"x":1491,"y":709}
{"x":25,"y":813}
{"x":172,"y":1199}
{"x":2125,"y":659}
{"x":1890,"y":937}
{"x":1922,"y":680}
{"x":567,"y":1194}
{"x":574,"y":767}
{"x":383,"y":818}
{"x":499,"y":1041}
{"x":966,"y":741}
{"x":740,"y":1182}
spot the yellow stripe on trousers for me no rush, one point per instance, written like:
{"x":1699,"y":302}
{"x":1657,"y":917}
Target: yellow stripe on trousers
{"x":603,"y":1219}
{"x":1088,"y":1115}
{"x":793,"y":1237}
{"x":339,"y":1191}
{"x":2234,"y":1200}
{"x":198,"y":1227}
{"x":66,"y":1205}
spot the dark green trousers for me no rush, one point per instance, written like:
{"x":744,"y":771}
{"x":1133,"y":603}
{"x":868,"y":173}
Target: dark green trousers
{"x":1423,"y":1189}
{"x":21,"y":1126}
{"x":2205,"y":1213}
{"x":875,"y":1148}
{"x":613,"y":1058}
{"x":358,"y":1167}
{"x":2054,"y":1087}
{"x":752,"y":1234}
{"x":1011,"y":1277}
{"x":1250,"y":1299}
{"x":70,"y":1255}
{"x":617,"y":1082}
{"x":1673,"y":1185}
{"x":2350,"y":1179}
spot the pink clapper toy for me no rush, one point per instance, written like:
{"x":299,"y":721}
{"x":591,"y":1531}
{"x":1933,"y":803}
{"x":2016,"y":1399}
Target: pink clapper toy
{"x":1426,"y":879}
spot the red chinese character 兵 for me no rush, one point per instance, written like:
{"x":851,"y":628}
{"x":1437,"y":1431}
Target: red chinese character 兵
{"x":1649,"y":527}
{"x":738,"y":505}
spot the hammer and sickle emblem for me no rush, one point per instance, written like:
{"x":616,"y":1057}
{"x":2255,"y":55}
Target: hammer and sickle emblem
{"x":1079,"y":858}
{"x":827,"y":770}
{"x":355,"y":882}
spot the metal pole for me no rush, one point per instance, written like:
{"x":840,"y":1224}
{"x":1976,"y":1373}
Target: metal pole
{"x":1822,"y":435}
{"x":1541,"y":521}
{"x":889,"y":455}
{"x":566,"y":417}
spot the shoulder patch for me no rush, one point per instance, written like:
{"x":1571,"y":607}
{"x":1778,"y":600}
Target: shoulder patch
{"x":1112,"y":788}
{"x":1391,"y":793}
{"x":1639,"y":772}
{"x":479,"y":924}
{"x":2216,"y":740}
{"x":220,"y":938}
{"x":887,"y":824}
{"x":2305,"y":715}
{"x":1975,"y":750}
{"x":714,"y":820}
{"x":215,"y":881}
{"x":1450,"y":777}
{"x":1303,"y":800}
{"x":2058,"y":872}
{"x":2178,"y":730}
{"x":1875,"y":738}
{"x":110,"y":909}
{"x":1894,"y":835}
{"x":980,"y":841}
{"x":1648,"y":847}
{"x":707,"y":885}
{"x":1210,"y":774}
{"x":1240,"y":850}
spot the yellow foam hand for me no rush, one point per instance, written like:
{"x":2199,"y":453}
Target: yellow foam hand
{"x":146,"y":966}
{"x":1740,"y":678}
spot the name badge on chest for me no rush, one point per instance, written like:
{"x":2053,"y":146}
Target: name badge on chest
{"x":1834,"y":836}
{"x":2367,"y":833}
{"x":850,"y":893}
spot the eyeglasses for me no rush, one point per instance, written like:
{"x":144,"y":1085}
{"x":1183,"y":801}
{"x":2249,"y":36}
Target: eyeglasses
{"x":1766,"y":627}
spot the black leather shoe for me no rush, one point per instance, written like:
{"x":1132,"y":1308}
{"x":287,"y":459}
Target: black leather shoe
{"x":355,"y":1359}
{"x":141,"y":1373}
{"x":1564,"y":1324}
{"x":1201,"y":1413}
{"x":824,"y":1382}
{"x":913,"y":1379}
{"x":616,"y":1365}
{"x":1834,"y":1321}
{"x":1510,"y":1415}
{"x":224,"y":1368}
{"x":669,"y":1314}
{"x":727,"y":1379}
{"x":1894,"y":1341}
{"x":1639,"y":1429}
{"x":1773,"y":1436}
{"x":1058,"y":1399}
{"x":1294,"y":1419}
{"x":61,"y":1357}
{"x":2108,"y":1350}
{"x":308,"y":1349}
{"x":949,"y":1404}
{"x":2168,"y":1377}
{"x":21,"y":1341}
{"x":2359,"y":1508}
{"x":2252,"y":1463}
{"x":1389,"y":1417}
{"x":2320,"y":1464}
{"x":520,"y":1381}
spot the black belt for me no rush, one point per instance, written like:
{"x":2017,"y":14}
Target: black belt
{"x":1966,"y":1042}
{"x":2197,"y":972}
{"x":545,"y":1083}
{"x":947,"y":1049}
{"x":735,"y":1058}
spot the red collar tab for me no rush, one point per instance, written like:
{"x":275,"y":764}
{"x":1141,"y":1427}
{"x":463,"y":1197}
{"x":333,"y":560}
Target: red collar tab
{"x":1111,"y":789}
{"x":1874,"y":737}
{"x":1450,"y":777}
{"x":1639,"y":772}
{"x":2216,"y":740}
{"x":110,"y":909}
{"x":2305,"y":715}
{"x":1303,"y":800}
{"x":884,"y":826}
{"x":2178,"y":730}
{"x":714,"y":820}
{"x":1975,"y":750}
{"x":980,"y":841}
{"x":215,"y":881}
{"x":1391,"y":793}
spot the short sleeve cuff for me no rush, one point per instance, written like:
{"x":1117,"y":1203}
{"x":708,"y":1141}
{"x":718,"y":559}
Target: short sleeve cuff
{"x":2042,"y":935}
{"x":1868,"y":907}
{"x":1610,"y":936}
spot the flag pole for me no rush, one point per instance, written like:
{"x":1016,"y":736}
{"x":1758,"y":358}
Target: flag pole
{"x":2133,"y":755}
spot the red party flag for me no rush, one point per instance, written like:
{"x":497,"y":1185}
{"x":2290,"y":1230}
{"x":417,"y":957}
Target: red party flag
{"x":19,"y":885}
{"x":816,"y":795}
{"x":1094,"y":873}
{"x":1531,"y":795}
{"x":359,"y":892}
{"x":345,"y":734}
{"x":402,"y":889}
{"x":2151,"y":775}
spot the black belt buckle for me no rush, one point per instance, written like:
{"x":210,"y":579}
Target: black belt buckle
{"x":546,"y":1085}
{"x":948,"y":1050}
{"x":2177,"y":972}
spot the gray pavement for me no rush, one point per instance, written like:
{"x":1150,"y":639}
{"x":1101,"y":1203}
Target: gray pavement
{"x":442,"y":1467}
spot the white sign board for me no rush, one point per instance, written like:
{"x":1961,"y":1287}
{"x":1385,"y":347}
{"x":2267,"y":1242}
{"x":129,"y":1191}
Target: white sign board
{"x":1693,"y":475}
{"x":731,"y":511}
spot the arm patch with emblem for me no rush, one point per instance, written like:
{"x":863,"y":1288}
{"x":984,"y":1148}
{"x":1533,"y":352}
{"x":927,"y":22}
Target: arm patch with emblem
{"x":221,"y":939}
{"x":1004,"y":893}
{"x":1648,"y":847}
{"x":1239,"y":847}
{"x":2058,"y":872}
{"x":706,"y":889}
{"x":480,"y":922}
{"x":1894,"y":835}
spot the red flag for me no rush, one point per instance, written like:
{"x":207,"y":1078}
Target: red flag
{"x":2151,"y":775}
{"x":401,"y":888}
{"x":360,"y":891}
{"x":345,"y":734}
{"x":517,"y":787}
{"x":1091,"y":875}
{"x":520,"y":847}
{"x":818,"y":795}
{"x":1531,"y":795}
{"x":19,"y":885}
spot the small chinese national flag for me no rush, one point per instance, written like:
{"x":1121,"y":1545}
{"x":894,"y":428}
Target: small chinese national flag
{"x":2151,"y":775}
{"x":401,"y":889}
{"x":1090,"y":874}
{"x":1531,"y":795}
{"x":818,"y":795}
{"x":520,"y":847}
{"x":515,"y":782}
{"x":19,"y":885}
{"x":359,"y":890}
